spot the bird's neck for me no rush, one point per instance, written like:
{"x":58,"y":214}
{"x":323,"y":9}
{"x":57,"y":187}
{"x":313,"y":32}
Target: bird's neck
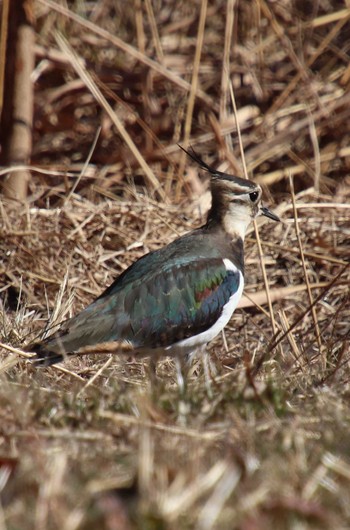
{"x":231,"y":243}
{"x":235,"y":227}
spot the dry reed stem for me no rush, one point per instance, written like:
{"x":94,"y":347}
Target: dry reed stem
{"x":95,"y":376}
{"x":225,"y":81}
{"x":191,"y":96}
{"x":261,"y":256}
{"x":306,"y":277}
{"x":259,"y":299}
{"x":126,"y":48}
{"x":277,"y":339}
{"x":3,"y":38}
{"x":279,"y":437}
{"x":284,"y":39}
{"x":154,"y":31}
{"x":296,"y":353}
{"x":324,"y":43}
{"x":84,"y":168}
{"x":82,"y":72}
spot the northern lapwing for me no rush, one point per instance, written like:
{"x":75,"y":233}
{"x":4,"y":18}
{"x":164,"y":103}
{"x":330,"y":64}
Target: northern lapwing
{"x":174,"y":300}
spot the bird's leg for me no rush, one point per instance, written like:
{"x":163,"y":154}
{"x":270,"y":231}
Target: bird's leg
{"x":182,"y":369}
{"x":209,"y":371}
{"x":152,"y":368}
{"x":151,"y":372}
{"x":181,"y":374}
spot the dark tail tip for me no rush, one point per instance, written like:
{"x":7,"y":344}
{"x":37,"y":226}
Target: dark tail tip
{"x":44,"y":356}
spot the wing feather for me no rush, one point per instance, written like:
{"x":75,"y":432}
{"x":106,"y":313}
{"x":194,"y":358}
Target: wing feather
{"x":156,"y":310}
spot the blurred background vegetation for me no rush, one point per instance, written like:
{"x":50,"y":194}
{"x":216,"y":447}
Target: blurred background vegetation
{"x":93,"y":178}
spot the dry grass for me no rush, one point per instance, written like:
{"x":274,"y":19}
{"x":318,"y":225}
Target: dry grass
{"x":89,"y":444}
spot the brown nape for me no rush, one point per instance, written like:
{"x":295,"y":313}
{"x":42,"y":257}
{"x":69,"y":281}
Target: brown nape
{"x":218,"y":207}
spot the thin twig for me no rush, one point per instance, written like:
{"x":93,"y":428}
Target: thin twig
{"x":306,"y":276}
{"x":85,"y":76}
{"x":192,"y":95}
{"x":277,"y":339}
{"x":261,"y":255}
{"x":127,"y":48}
{"x":85,"y":166}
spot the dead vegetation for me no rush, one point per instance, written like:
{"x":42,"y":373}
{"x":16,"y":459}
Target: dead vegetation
{"x":89,"y":444}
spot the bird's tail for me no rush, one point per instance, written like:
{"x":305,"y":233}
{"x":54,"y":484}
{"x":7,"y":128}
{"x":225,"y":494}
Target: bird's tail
{"x":64,"y":342}
{"x":96,"y":324}
{"x":48,"y":351}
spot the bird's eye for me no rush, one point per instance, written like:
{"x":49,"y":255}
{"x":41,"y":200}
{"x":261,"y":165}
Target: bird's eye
{"x":254,"y":196}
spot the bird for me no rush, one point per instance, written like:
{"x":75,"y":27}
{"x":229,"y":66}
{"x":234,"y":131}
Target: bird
{"x":174,"y":300}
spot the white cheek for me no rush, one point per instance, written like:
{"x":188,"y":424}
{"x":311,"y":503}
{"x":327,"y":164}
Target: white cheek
{"x":237,"y":223}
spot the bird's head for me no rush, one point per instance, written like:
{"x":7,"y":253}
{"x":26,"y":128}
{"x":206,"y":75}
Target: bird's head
{"x":235,"y":201}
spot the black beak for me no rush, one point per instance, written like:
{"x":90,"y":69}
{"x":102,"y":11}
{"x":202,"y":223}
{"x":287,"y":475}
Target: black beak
{"x":265,"y":211}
